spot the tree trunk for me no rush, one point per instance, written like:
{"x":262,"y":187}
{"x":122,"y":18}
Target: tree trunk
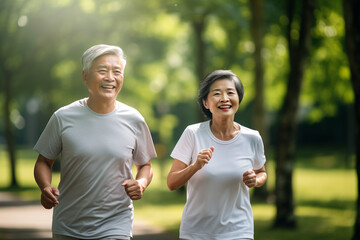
{"x":352,"y":30}
{"x":199,"y":27}
{"x":285,"y":151}
{"x":8,"y":129}
{"x":256,"y":7}
{"x":6,"y":77}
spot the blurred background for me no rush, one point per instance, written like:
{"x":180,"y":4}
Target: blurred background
{"x":290,"y":56}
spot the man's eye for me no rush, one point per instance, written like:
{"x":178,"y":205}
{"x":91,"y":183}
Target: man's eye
{"x":117,"y":72}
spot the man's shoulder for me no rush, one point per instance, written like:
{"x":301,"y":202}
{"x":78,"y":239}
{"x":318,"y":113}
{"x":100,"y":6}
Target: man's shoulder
{"x":74,"y":106}
{"x":131,"y":112}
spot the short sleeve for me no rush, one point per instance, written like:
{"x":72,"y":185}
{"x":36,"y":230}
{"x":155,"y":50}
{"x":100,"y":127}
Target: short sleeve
{"x":184,"y":147}
{"x":260,"y":158}
{"x":144,"y":149}
{"x":49,"y":144}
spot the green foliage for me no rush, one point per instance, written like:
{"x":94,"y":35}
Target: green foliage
{"x":327,"y":80}
{"x":43,"y":42}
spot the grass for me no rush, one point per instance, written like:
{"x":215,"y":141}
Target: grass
{"x":324,"y":194}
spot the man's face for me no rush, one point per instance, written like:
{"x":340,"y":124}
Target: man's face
{"x":105,"y":78}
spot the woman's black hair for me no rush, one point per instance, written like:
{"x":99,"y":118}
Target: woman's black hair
{"x":210,"y":79}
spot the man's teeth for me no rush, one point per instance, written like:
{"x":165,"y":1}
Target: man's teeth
{"x":223,"y":107}
{"x":108,"y":87}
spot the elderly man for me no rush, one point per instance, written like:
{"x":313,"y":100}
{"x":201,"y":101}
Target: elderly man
{"x":98,"y":139}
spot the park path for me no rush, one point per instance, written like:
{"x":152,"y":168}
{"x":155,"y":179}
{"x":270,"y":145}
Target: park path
{"x":24,"y":220}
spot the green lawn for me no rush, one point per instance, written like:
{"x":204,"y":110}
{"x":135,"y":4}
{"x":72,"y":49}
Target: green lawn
{"x":325,"y":197}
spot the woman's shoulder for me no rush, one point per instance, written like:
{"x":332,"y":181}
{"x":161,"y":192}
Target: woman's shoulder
{"x":249,"y":132}
{"x":196,"y":127}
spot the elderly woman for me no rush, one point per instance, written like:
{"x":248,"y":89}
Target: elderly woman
{"x":98,"y":138}
{"x":219,"y":160}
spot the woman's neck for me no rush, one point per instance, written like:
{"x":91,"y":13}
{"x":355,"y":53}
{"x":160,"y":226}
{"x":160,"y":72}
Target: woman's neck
{"x":224,"y":129}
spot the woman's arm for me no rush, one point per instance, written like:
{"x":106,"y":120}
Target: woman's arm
{"x":255,"y":178}
{"x":180,"y":173}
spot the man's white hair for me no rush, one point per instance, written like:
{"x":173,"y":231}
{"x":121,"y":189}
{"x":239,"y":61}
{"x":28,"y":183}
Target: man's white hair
{"x":98,"y":50}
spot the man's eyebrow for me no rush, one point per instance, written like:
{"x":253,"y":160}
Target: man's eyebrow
{"x":101,"y":66}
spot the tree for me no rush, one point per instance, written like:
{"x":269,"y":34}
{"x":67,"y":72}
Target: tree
{"x":9,"y":63}
{"x":285,"y":149}
{"x":40,"y":55}
{"x":352,"y":29}
{"x":256,"y":7}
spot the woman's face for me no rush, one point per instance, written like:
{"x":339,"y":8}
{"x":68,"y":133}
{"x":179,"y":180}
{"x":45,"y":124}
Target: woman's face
{"x":223,"y":99}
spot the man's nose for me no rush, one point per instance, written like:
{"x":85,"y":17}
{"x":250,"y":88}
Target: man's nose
{"x":110,"y":76}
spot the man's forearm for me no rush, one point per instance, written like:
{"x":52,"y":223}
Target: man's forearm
{"x":144,"y":174}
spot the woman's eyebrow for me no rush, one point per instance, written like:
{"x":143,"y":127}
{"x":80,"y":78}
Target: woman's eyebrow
{"x":215,"y":90}
{"x":218,"y":89}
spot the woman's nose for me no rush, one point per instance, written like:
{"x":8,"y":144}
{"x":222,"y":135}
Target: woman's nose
{"x":224,"y":97}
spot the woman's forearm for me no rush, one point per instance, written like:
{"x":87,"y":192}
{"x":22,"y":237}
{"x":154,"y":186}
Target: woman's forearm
{"x":179,"y":177}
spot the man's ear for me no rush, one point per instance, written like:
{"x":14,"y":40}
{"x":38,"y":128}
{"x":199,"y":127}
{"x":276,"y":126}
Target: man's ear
{"x":84,"y":76}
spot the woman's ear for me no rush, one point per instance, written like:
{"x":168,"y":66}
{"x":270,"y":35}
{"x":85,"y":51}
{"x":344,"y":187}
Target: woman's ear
{"x":205,"y":104}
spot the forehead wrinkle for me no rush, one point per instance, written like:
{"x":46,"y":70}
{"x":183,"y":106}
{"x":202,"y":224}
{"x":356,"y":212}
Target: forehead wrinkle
{"x":106,"y":66}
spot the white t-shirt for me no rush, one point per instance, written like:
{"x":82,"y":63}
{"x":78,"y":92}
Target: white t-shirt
{"x":218,"y":203}
{"x":97,"y":152}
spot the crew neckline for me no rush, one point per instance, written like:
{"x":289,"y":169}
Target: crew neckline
{"x":219,"y":140}
{"x":100,"y":114}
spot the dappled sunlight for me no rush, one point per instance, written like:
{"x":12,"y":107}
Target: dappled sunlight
{"x":170,"y":46}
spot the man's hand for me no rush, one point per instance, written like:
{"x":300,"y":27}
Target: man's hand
{"x":134,"y":189}
{"x":48,"y":197}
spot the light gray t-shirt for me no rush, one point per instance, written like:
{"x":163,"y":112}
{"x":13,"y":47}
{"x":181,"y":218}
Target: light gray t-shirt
{"x":218,"y":204}
{"x":97,"y":152}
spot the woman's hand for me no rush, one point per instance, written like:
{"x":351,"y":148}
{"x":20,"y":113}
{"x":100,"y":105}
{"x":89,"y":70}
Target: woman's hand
{"x":249,"y":178}
{"x":255,"y":178}
{"x":203,"y":158}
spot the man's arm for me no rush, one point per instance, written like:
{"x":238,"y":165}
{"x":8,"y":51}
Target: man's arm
{"x":43,"y":175}
{"x":135,"y":187}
